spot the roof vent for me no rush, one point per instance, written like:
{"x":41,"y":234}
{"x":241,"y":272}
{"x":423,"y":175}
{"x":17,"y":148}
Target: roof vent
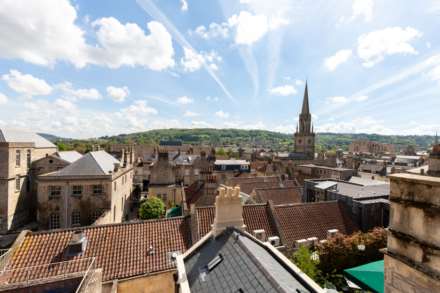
{"x":151,"y":250}
{"x":78,"y":243}
{"x":260,"y":234}
{"x":332,"y":232}
{"x":274,"y":241}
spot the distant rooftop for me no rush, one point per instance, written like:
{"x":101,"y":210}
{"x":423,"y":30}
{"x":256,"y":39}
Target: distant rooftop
{"x":91,"y":164}
{"x":231,"y":162}
{"x":354,"y":190}
{"x":69,"y":156}
{"x":22,"y":136}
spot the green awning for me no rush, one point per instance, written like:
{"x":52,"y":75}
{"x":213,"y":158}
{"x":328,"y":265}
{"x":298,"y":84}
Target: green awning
{"x":174,"y":212}
{"x":369,"y":276}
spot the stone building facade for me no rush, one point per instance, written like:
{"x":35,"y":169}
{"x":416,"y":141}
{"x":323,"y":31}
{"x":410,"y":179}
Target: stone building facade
{"x":370,"y":147}
{"x":18,"y":150}
{"x":93,"y":189}
{"x":412,"y":258}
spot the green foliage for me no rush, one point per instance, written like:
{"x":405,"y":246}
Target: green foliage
{"x":303,"y":259}
{"x":152,"y":208}
{"x":238,"y":137}
{"x":342,"y":252}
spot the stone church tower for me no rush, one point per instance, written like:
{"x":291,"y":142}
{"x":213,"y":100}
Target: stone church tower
{"x":304,"y":135}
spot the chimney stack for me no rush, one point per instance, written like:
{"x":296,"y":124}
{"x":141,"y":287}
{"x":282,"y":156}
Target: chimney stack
{"x":228,"y":210}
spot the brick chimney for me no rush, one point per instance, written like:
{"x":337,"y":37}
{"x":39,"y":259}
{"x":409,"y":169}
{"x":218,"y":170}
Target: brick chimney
{"x":228,"y":210}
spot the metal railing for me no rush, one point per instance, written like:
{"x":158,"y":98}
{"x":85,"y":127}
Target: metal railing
{"x":27,"y":276}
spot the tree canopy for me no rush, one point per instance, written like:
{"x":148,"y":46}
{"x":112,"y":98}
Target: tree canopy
{"x":151,"y":208}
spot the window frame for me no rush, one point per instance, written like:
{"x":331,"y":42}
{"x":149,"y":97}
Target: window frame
{"x":54,"y":218}
{"x":75,"y":218}
{"x":96,"y":187}
{"x":17,"y":158}
{"x":75,"y":193}
{"x":54,"y":191}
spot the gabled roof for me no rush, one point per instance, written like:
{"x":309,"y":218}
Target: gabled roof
{"x":302,"y":221}
{"x":279,"y":195}
{"x":121,"y":250}
{"x":237,"y":262}
{"x":255,"y":217}
{"x":91,"y":164}
{"x":14,"y":135}
{"x":69,"y":156}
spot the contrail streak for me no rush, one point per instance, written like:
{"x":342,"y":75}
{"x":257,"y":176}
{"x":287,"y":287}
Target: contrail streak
{"x":156,"y":13}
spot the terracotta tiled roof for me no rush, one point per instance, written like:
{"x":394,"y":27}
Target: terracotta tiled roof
{"x":279,"y":195}
{"x":300,"y":221}
{"x":255,"y":217}
{"x":121,"y":250}
{"x":247,"y":185}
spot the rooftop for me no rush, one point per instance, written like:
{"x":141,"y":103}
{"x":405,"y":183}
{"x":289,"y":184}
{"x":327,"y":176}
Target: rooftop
{"x":231,"y":162}
{"x":279,"y":195}
{"x":354,"y":190}
{"x":97,"y":163}
{"x":22,"y":136}
{"x":69,"y":156}
{"x":302,"y":221}
{"x":121,"y":250}
{"x":236,"y":262}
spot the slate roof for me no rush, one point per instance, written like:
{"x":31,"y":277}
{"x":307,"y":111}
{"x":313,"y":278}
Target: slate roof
{"x":231,"y":162}
{"x":14,"y":135}
{"x":245,"y":266}
{"x":255,"y":217}
{"x":279,"y":195}
{"x":121,"y":250}
{"x":69,"y":156}
{"x":301,"y":221}
{"x":91,"y":164}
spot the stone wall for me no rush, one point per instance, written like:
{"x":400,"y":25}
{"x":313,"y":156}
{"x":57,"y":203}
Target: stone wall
{"x":414,"y":233}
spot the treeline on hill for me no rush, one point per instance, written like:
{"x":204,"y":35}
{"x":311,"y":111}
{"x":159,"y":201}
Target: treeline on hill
{"x":250,"y":138}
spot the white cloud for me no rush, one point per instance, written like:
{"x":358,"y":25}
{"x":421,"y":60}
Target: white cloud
{"x":278,"y":12}
{"x":284,"y":90}
{"x":184,"y":100}
{"x":249,"y":27}
{"x":374,"y":46}
{"x":183,"y":5}
{"x":26,"y":84}
{"x":214,"y":30}
{"x":128,"y":45}
{"x":332,"y":62}
{"x":212,"y":99}
{"x":299,"y":82}
{"x":337,"y":100}
{"x":65,"y":104}
{"x":190,"y":114}
{"x":363,"y":8}
{"x":118,"y":94}
{"x":40,"y":32}
{"x":360,"y":98}
{"x":343,"y":100}
{"x":201,"y":124}
{"x":81,"y":94}
{"x":435,"y":73}
{"x":221,"y":114}
{"x":193,"y":61}
{"x":3,"y":99}
{"x":358,"y":125}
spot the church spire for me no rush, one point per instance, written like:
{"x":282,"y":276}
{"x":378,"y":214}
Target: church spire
{"x":305,"y":105}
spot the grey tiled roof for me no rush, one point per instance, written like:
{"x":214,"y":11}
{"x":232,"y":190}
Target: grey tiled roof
{"x":246,"y":266}
{"x":91,"y":164}
{"x":69,"y":156}
{"x":14,"y":135}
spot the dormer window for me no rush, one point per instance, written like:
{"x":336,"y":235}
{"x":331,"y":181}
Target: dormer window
{"x":77,"y":244}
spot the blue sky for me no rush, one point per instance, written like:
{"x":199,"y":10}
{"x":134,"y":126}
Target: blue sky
{"x":84,"y":68}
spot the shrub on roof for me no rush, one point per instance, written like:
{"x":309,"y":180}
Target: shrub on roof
{"x":152,"y":208}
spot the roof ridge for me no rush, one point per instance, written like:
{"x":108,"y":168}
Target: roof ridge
{"x":97,"y":163}
{"x":306,"y":203}
{"x":91,"y":227}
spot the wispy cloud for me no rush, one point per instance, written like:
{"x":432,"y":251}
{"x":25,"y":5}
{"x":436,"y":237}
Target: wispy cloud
{"x":149,"y":7}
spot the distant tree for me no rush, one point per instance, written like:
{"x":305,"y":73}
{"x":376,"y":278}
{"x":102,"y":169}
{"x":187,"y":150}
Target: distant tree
{"x":152,"y":208}
{"x":220,"y":152}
